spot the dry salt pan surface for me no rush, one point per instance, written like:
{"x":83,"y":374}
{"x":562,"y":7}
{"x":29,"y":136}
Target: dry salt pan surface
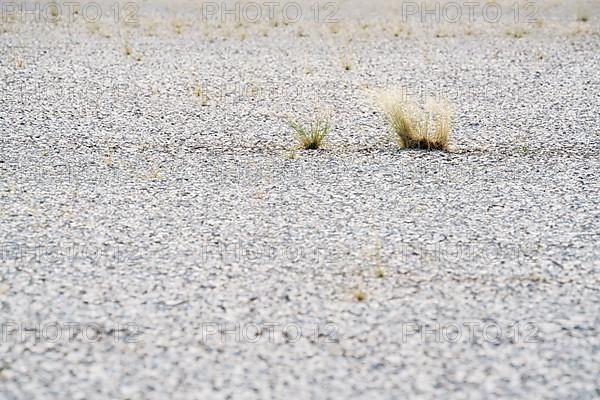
{"x":161,"y":238}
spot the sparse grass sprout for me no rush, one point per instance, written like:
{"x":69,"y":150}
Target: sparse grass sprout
{"x":359,"y":295}
{"x":311,"y":137}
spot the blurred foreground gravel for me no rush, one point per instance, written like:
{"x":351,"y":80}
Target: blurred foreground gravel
{"x":161,"y":239}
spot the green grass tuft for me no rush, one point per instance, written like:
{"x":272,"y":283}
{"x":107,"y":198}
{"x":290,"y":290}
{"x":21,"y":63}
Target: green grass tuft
{"x":311,"y":137}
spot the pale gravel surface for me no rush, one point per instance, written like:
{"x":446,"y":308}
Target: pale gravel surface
{"x":101,"y":152}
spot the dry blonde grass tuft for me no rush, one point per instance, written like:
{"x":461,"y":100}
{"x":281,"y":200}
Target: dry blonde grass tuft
{"x":417,"y":127}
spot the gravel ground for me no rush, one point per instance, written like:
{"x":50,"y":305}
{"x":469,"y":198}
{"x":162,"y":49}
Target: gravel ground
{"x":161,"y":238}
